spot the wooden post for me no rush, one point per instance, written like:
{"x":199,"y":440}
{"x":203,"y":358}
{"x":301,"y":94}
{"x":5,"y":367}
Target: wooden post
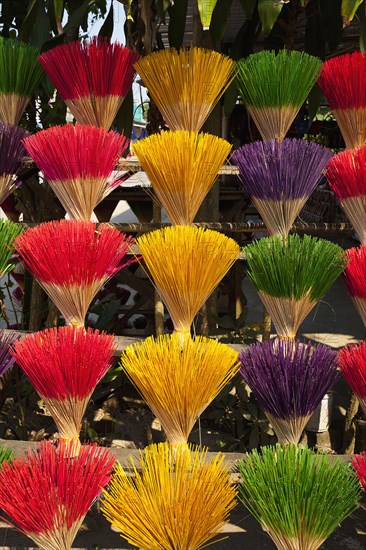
{"x":158,"y":303}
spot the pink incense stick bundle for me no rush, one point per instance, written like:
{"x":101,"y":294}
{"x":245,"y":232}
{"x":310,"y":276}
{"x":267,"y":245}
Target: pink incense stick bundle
{"x":93,"y":78}
{"x":355,"y":278}
{"x":47,"y":496}
{"x":64,"y":365}
{"x":78,"y":161}
{"x":72,"y":260}
{"x":346,"y":175}
{"x":352,"y":362}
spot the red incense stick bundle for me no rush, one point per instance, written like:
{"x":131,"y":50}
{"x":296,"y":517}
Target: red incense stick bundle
{"x":343,"y":83}
{"x":355,"y":278}
{"x":72,"y":260}
{"x":64,"y":365}
{"x":352,"y":362}
{"x":78,"y":161}
{"x":346,"y":175}
{"x":93,"y":78}
{"x":47,"y":495}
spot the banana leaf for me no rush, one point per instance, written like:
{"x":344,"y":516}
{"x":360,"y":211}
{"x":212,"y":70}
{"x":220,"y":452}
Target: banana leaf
{"x":348,"y":10}
{"x":269,"y":10}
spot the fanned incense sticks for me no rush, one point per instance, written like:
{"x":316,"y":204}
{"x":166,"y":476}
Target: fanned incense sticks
{"x":182,"y":167}
{"x":297,"y":496}
{"x":178,"y":381}
{"x":78,"y":161}
{"x":93,"y":78}
{"x":275,"y":86}
{"x":12,"y":153}
{"x":280,"y":177}
{"x":72,"y":272}
{"x":64,"y":365}
{"x":20,"y":74}
{"x":7,"y":338}
{"x":186,"y":265}
{"x":355,"y":278}
{"x":352,"y":362}
{"x":289,"y":378}
{"x":291,"y":275}
{"x":9,"y":231}
{"x":346,"y":175}
{"x":359,"y":464}
{"x":47,"y":495}
{"x":186,"y":85}
{"x":181,"y":498}
{"x":342,"y":82}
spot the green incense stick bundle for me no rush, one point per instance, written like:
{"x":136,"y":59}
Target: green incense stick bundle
{"x":275,"y":86}
{"x":291,"y":275}
{"x":297,"y":496}
{"x":8,"y":233}
{"x":20,"y":74}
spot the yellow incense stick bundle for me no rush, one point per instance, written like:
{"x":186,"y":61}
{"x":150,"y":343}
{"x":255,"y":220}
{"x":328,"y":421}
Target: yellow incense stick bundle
{"x":186,"y":85}
{"x":186,"y":264}
{"x":182,"y":167}
{"x":179,"y":500}
{"x":179,"y":380}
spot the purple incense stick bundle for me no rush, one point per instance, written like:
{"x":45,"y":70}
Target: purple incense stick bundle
{"x":289,"y":378}
{"x":280,"y":176}
{"x":7,"y":337}
{"x":12,"y":153}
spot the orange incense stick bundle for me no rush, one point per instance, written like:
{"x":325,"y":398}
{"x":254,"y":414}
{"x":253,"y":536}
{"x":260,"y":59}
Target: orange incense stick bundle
{"x":182,"y":166}
{"x":72,"y":260}
{"x":78,"y":161}
{"x":186,"y":85}
{"x":47,"y":496}
{"x":64,"y":365}
{"x":93,"y":78}
{"x":179,"y":380}
{"x":186,"y":265}
{"x":343,"y":83}
{"x":355,"y":278}
{"x":346,"y":175}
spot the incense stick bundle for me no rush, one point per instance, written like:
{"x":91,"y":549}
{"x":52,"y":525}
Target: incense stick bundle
{"x":72,"y":261}
{"x":355,"y":277}
{"x":78,"y":161}
{"x":291,"y":275}
{"x":352,"y":362}
{"x":182,"y":166}
{"x":186,"y":85}
{"x":342,"y":82}
{"x":275,"y":86}
{"x":181,"y":498}
{"x":359,"y":464}
{"x":289,"y":378}
{"x":7,"y":338}
{"x":12,"y":153}
{"x":9,"y":231}
{"x":297,"y":496}
{"x":47,"y":495}
{"x":280,"y":177}
{"x":186,"y":264}
{"x":20,"y":75}
{"x":93,"y":78}
{"x":178,"y":381}
{"x":346,"y":175}
{"x":64,"y":365}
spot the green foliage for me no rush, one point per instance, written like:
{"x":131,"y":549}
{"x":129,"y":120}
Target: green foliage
{"x":8,"y":232}
{"x":20,"y":72}
{"x":6,"y":455}
{"x":296,"y":493}
{"x":269,"y":10}
{"x":295,"y":266}
{"x":267,"y":79}
{"x":236,"y":331}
